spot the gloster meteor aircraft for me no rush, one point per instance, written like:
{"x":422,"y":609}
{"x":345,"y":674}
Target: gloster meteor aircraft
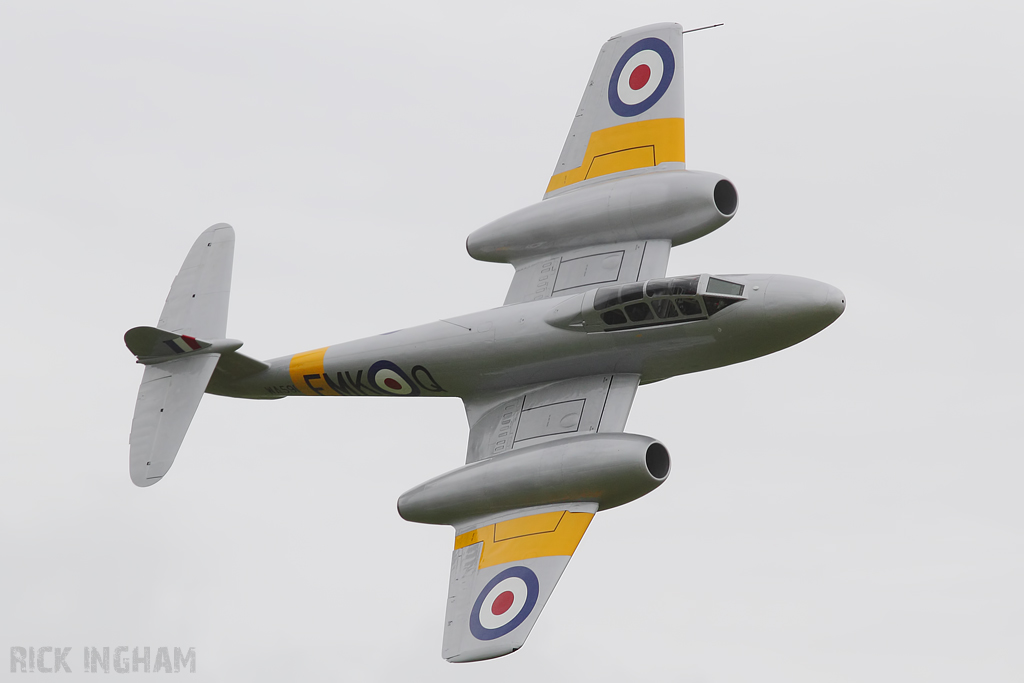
{"x":549,"y":377}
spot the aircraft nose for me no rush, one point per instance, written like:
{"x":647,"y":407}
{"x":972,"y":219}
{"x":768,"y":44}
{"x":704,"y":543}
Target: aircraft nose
{"x":800,"y":307}
{"x":836,"y":301}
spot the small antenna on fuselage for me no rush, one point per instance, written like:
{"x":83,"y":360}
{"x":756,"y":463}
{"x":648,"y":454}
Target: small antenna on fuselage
{"x":691,"y":30}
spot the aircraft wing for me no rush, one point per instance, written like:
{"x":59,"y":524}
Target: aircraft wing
{"x":504,"y":567}
{"x":573,"y":271}
{"x":630,"y":123}
{"x":503,"y":572}
{"x":547,"y":412}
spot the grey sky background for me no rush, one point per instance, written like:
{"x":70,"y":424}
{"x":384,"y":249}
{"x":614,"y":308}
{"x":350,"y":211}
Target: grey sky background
{"x":845,"y":510}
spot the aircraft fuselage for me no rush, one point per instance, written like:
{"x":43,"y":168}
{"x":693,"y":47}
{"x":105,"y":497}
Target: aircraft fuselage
{"x":550,"y":340}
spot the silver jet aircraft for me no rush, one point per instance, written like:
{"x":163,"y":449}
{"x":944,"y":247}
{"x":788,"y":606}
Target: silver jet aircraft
{"x":548,"y":378}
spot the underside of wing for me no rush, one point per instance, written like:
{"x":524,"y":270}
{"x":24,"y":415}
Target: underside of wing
{"x":503,"y":572}
{"x":578,"y":270}
{"x":509,"y":556}
{"x":197,"y":304}
{"x":620,"y":196}
{"x":547,"y":412}
{"x":168,"y":399}
{"x":542,"y":460}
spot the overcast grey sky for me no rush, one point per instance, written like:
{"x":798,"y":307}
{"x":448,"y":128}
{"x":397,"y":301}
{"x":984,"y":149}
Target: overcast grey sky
{"x":845,"y":510}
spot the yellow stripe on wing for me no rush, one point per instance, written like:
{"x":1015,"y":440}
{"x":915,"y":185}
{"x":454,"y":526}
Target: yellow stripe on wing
{"x":543,"y":535}
{"x":621,"y":148}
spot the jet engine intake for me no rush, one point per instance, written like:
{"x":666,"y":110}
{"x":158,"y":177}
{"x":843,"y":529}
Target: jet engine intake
{"x":609,"y":469}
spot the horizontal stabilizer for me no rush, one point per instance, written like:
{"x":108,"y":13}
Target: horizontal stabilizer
{"x":197,"y":304}
{"x":179,"y":363}
{"x":168,"y":399}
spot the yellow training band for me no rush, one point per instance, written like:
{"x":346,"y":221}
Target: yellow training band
{"x":543,"y":535}
{"x":307,"y":373}
{"x":621,"y":148}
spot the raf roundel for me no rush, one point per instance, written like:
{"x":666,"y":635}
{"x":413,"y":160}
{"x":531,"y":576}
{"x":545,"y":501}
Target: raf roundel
{"x":504,"y":603}
{"x":640,"y":77}
{"x":389,"y":378}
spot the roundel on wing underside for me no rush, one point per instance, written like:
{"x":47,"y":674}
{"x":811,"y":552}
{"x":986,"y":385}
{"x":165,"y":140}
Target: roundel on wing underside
{"x":640,"y":77}
{"x":390,"y":379}
{"x":504,"y":603}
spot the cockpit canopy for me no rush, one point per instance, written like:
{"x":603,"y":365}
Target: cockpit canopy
{"x":664,"y":301}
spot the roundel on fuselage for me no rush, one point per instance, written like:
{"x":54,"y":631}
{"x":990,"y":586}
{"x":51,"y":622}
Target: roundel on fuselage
{"x":640,"y":77}
{"x":389,"y":378}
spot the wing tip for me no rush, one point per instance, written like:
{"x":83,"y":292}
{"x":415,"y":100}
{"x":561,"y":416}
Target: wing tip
{"x":481,"y":655}
{"x":222,"y":232}
{"x":142,"y":481}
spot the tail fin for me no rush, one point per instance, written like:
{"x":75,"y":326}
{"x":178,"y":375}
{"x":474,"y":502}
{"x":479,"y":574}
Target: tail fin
{"x":152,"y":345}
{"x":631,"y":115}
{"x":173,"y":383}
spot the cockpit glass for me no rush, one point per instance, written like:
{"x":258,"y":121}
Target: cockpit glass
{"x":639,"y":312}
{"x":716,"y":286}
{"x":632,"y":292}
{"x":684,"y":285}
{"x":664,"y":308}
{"x":689,"y":306}
{"x":657,"y":287}
{"x":675,"y":286}
{"x":717,"y":303}
{"x":605,"y":297}
{"x":615,"y":317}
{"x":664,"y":301}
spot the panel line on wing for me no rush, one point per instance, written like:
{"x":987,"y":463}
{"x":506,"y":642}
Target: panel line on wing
{"x":527,"y":526}
{"x":560,"y":410}
{"x":550,"y":419}
{"x":574,"y":271}
{"x":666,"y":135}
{"x":577,"y":272}
{"x":561,"y":540}
{"x":621,"y":160}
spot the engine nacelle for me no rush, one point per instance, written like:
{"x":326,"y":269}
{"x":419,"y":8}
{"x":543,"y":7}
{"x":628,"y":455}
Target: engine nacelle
{"x":608,"y":469}
{"x":676,"y":205}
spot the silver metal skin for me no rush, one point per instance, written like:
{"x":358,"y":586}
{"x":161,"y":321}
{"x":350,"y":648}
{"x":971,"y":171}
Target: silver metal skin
{"x":549,"y":378}
{"x":674,"y":205}
{"x":594,"y":114}
{"x":515,"y":346}
{"x":607,"y":469}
